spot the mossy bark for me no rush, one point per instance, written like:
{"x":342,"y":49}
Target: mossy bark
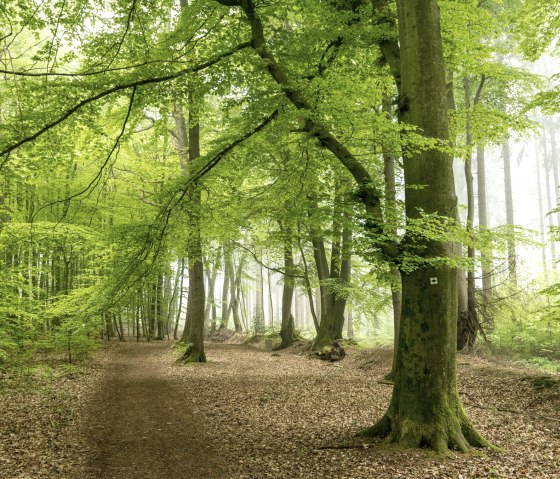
{"x":193,"y":334}
{"x":425,"y":408}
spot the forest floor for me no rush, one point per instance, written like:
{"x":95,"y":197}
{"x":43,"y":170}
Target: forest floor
{"x":131,"y":412}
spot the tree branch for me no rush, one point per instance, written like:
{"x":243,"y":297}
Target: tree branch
{"x":370,"y":197}
{"x":147,"y":81}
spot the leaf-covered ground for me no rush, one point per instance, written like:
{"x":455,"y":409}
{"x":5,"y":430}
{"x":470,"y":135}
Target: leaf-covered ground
{"x":134,"y":413}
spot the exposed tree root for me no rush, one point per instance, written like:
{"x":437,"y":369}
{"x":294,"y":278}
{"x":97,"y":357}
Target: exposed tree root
{"x":447,"y":433}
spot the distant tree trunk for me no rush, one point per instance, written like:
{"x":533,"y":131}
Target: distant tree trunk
{"x":541,"y":212}
{"x":210,"y":312}
{"x":468,"y":324}
{"x":236,"y":278}
{"x":226,"y":288}
{"x":554,"y":162}
{"x":506,"y":155}
{"x":333,"y":302}
{"x":549,"y":196}
{"x":259,"y":301}
{"x":287,"y":328}
{"x":483,"y":224}
{"x":270,"y":300}
{"x":137,"y":311}
{"x":180,"y":302}
{"x":349,"y":321}
{"x":160,"y":307}
{"x":391,"y":213}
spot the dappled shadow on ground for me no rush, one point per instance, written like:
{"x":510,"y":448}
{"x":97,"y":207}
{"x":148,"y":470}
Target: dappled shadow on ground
{"x":251,"y":414}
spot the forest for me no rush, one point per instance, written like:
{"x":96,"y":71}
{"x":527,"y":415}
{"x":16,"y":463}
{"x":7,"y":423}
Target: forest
{"x":271,"y":239}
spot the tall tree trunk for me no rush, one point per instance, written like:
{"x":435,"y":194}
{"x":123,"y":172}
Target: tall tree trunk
{"x":332,"y":303}
{"x":193,"y":334}
{"x":161,"y":314}
{"x":210,"y":312}
{"x":226,"y":288}
{"x":314,"y":314}
{"x":483,"y":224}
{"x":391,"y":215}
{"x":467,"y":325}
{"x":506,"y":155}
{"x":258,"y":319}
{"x":425,"y":407}
{"x":236,"y":294}
{"x":541,"y":211}
{"x":180,"y":302}
{"x":549,"y":196}
{"x":554,"y":162}
{"x":287,"y":328}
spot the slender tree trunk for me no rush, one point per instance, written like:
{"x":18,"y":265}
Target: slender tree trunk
{"x":287,"y":328}
{"x":349,"y":322}
{"x":332,"y":303}
{"x":308,"y":289}
{"x":506,"y":155}
{"x":391,"y":217}
{"x":549,"y":196}
{"x":483,"y":224}
{"x":541,"y":211}
{"x":226,"y":288}
{"x":180,"y":301}
{"x":554,"y":162}
{"x":468,"y":324}
{"x":210,"y":312}
{"x":236,"y":294}
{"x":160,"y":306}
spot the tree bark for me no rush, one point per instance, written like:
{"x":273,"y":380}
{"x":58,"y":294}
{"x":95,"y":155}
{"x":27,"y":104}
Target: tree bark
{"x":333,"y":276}
{"x":287,"y":327}
{"x":506,"y":156}
{"x":541,"y":212}
{"x":193,"y":334}
{"x":549,"y":196}
{"x":226,"y":287}
{"x":468,"y":324}
{"x":483,"y":225}
{"x":425,"y":408}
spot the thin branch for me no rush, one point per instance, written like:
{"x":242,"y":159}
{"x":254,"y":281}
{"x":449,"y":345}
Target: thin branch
{"x":479,"y":89}
{"x":147,"y":81}
{"x":93,"y":183}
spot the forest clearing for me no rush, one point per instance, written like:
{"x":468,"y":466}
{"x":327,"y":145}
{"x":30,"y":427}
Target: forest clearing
{"x":251,"y":414}
{"x":279,"y":238}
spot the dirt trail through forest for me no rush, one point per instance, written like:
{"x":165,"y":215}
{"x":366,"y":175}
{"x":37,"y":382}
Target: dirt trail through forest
{"x":248,"y":414}
{"x":139,"y":425}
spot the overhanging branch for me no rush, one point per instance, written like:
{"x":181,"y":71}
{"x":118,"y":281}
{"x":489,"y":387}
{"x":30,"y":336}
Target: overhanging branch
{"x":146,"y":81}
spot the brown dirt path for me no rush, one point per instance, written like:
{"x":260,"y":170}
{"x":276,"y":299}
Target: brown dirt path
{"x":248,"y":414}
{"x":138,"y":425}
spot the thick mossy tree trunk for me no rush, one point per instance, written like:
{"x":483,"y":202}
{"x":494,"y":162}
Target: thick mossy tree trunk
{"x":425,"y":408}
{"x":193,"y":334}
